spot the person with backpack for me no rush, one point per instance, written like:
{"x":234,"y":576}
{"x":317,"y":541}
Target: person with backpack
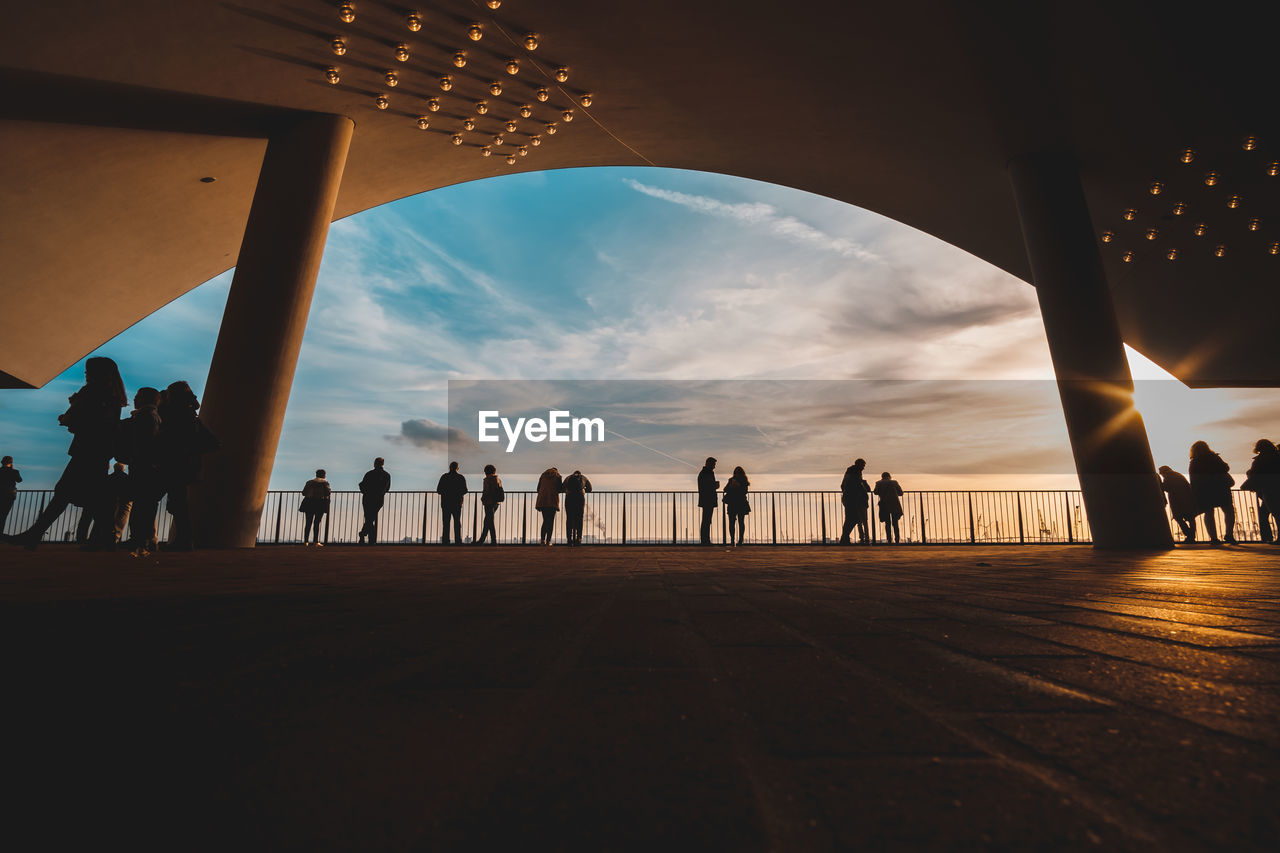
{"x":491,"y":497}
{"x":550,"y":485}
{"x":576,"y":486}
{"x":314,"y":507}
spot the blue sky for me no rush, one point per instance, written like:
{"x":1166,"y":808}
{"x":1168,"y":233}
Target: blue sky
{"x":614,"y":273}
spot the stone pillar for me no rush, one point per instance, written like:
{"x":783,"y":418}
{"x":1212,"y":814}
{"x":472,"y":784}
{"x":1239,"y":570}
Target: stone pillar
{"x":1113,"y":457}
{"x":252,"y":370}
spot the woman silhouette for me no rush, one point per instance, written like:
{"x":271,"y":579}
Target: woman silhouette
{"x":92,"y":418}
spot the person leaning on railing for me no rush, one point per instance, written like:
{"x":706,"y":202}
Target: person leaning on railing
{"x":314,"y":506}
{"x":1263,"y":479}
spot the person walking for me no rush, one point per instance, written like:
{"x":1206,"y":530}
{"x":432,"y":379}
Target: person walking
{"x":92,"y":418}
{"x":889,"y":494}
{"x":10,"y":477}
{"x":491,"y":496}
{"x":184,"y":440}
{"x":736,"y":504}
{"x":550,"y":485}
{"x":373,"y":491}
{"x":855,"y":496}
{"x":1263,"y":479}
{"x":121,"y":492}
{"x":708,"y":488}
{"x":576,"y":486}
{"x":314,"y":507}
{"x":1182,"y":501}
{"x":139,"y":446}
{"x":1211,"y":482}
{"x":451,"y":489}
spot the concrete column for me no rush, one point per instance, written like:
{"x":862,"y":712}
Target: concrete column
{"x":266,"y":314}
{"x":1113,"y":457}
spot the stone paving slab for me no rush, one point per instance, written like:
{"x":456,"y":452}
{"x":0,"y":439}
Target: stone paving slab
{"x":639,"y":698}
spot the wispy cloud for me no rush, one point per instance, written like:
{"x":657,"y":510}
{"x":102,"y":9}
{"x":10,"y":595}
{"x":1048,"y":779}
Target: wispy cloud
{"x":761,"y":214}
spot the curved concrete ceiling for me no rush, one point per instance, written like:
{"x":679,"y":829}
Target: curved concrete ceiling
{"x":115,"y":113}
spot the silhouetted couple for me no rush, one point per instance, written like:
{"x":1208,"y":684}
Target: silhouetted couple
{"x":373,"y":491}
{"x":855,"y":495}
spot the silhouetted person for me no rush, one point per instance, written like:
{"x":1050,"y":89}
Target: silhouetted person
{"x":550,"y":485}
{"x":92,"y":418}
{"x":373,"y":491}
{"x":855,"y":496}
{"x":121,"y":492}
{"x":576,"y":486}
{"x":708,"y":487}
{"x":1182,"y":501}
{"x":1263,"y":479}
{"x":314,"y":507}
{"x":139,"y":445}
{"x":890,"y":495}
{"x":491,"y":497}
{"x":1211,"y":482}
{"x":184,"y":440}
{"x":736,"y":504}
{"x":451,"y":489}
{"x":9,"y":480}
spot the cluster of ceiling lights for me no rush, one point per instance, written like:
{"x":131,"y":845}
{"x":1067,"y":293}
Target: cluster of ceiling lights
{"x":1213,"y":195}
{"x":511,"y":139}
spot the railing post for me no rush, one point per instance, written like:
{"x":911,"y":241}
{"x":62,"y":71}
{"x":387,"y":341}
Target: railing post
{"x":1022,"y":536}
{"x":773,"y":510}
{"x":673,"y":518}
{"x":624,"y":518}
{"x":822,"y":509}
{"x":1071,"y":533}
{"x":279,"y":507}
{"x":426,"y":498}
{"x":972,"y":537}
{"x":923,"y":536}
{"x":524,"y":519}
{"x":473,"y":519}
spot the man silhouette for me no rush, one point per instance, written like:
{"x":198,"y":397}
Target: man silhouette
{"x":854,"y":493}
{"x":576,"y":485}
{"x":451,"y":488}
{"x":708,"y":488}
{"x":373,"y":489}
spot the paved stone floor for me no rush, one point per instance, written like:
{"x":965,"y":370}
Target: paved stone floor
{"x":645,"y":698}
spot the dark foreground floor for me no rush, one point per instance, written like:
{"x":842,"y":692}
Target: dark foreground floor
{"x":644,"y":698}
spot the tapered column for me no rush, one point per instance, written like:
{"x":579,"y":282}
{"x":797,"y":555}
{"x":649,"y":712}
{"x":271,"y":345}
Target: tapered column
{"x":266,"y":314}
{"x":1108,"y":439}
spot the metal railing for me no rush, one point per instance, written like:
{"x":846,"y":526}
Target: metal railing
{"x":673,"y":518}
